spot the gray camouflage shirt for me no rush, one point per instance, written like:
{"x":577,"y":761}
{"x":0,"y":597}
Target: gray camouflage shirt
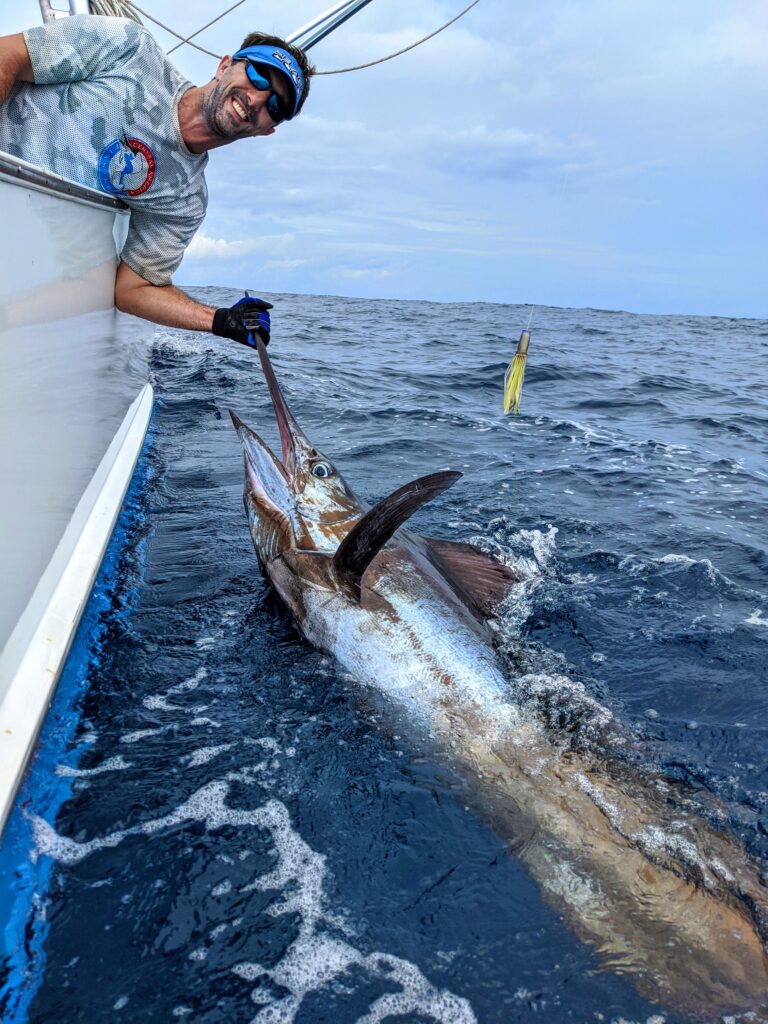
{"x":103,"y":111}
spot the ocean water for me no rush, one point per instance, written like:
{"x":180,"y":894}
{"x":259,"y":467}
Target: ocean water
{"x":219,"y":825}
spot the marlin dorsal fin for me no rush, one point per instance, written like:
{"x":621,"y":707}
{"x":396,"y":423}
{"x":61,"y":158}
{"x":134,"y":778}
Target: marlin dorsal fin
{"x":371,"y":533}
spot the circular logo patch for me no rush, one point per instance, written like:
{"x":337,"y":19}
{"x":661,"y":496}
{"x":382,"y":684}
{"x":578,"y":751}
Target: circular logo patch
{"x":126,"y":167}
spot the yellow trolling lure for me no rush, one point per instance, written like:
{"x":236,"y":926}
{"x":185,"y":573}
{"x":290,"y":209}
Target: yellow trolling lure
{"x":513,"y":378}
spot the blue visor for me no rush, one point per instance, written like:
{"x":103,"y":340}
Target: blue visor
{"x":275,"y":57}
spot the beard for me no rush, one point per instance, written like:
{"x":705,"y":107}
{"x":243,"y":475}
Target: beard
{"x":219,"y":115}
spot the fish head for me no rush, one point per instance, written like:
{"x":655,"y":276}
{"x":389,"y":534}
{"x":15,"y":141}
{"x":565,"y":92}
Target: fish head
{"x":300,"y":501}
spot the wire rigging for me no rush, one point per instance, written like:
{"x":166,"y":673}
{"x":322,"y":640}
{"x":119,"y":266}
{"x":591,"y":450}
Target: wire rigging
{"x":128,"y":9}
{"x":213,"y":22}
{"x":405,"y":49}
{"x":168,"y":28}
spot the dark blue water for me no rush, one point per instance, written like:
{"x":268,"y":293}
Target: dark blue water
{"x":222,"y":827}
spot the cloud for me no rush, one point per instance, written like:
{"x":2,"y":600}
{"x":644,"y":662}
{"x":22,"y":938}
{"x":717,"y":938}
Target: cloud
{"x":203,"y":247}
{"x":580,"y":153}
{"x":361,"y":273}
{"x":480,"y":151}
{"x":738,"y":41}
{"x":284,"y":264}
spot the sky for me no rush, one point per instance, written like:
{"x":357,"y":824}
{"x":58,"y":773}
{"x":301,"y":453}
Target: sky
{"x":588,"y":153}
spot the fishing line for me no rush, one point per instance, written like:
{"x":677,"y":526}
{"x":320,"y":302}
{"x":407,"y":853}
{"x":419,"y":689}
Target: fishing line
{"x":515,"y":372}
{"x":563,"y":185}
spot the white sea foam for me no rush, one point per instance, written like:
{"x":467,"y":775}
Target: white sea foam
{"x":160,"y":702}
{"x":315,"y":957}
{"x":249,"y":774}
{"x":267,"y":742}
{"x":588,"y":432}
{"x":206,"y":754}
{"x":658,"y":1018}
{"x":112,"y":764}
{"x":756,"y":618}
{"x":712,"y":572}
{"x":142,"y":734}
{"x":562,"y":700}
{"x":190,"y":684}
{"x":543,"y":544}
{"x":184,"y":343}
{"x":508,"y":545}
{"x":653,"y":839}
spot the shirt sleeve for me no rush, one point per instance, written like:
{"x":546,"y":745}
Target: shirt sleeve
{"x":156,"y":242}
{"x":80,"y":48}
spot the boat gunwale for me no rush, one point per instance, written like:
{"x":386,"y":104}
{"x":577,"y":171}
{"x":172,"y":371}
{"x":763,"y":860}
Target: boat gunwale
{"x":19,"y":172}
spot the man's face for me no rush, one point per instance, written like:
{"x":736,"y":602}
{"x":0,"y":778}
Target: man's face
{"x":234,"y":108}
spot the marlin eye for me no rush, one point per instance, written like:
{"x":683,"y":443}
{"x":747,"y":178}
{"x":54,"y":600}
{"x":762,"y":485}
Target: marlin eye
{"x":322,"y":470}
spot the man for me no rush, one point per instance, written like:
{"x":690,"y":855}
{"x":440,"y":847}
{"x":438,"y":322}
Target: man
{"x":96,"y":100}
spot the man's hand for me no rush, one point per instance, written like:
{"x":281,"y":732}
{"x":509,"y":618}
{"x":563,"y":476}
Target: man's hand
{"x":244,"y":321}
{"x":165,"y":304}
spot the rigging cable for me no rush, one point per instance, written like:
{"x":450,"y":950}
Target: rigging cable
{"x":128,"y":9}
{"x":217,"y":18}
{"x":381,"y":60}
{"x":167,"y":28}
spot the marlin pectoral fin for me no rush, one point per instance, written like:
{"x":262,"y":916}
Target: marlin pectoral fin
{"x":371,"y":533}
{"x":480,"y":576}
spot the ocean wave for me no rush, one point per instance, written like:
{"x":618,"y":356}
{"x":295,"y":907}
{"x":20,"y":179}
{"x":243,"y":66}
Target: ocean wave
{"x":697,"y":575}
{"x":639,"y":526}
{"x":668,"y":382}
{"x":317,"y":956}
{"x":756,"y":618}
{"x":627,"y":402}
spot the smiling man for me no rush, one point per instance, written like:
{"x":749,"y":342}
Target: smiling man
{"x":96,"y":100}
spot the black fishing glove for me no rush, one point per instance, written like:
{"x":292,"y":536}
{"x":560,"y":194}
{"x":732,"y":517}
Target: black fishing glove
{"x":243,"y":321}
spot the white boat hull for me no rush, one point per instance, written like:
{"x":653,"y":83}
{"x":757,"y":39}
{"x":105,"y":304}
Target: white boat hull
{"x":70,"y":371}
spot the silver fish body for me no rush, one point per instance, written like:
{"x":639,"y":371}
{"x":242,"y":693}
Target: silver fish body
{"x":660,"y":894}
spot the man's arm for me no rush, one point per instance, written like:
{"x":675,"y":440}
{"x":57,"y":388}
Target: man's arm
{"x":162,"y":304}
{"x":15,"y":65}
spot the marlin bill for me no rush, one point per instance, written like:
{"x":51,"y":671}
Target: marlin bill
{"x":658,"y":891}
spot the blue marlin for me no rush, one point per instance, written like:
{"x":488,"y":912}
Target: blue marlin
{"x":662,"y":895}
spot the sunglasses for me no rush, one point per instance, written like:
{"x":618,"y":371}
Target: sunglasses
{"x":275,"y":105}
